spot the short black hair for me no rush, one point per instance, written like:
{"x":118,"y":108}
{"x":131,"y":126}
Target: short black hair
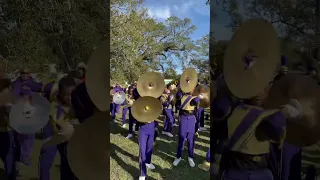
{"x":66,"y":82}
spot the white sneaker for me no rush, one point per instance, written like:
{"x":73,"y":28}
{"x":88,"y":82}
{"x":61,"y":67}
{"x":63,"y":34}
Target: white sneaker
{"x":191,"y":162}
{"x":150,"y":166}
{"x":176,"y":161}
{"x":167,"y":134}
{"x":124,"y":125}
{"x":142,"y":178}
{"x":203,"y":129}
{"x":175,"y":125}
{"x":129,"y":136}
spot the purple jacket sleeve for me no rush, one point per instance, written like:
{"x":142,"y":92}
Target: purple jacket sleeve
{"x":179,"y":95}
{"x":274,"y":125}
{"x":35,"y":86}
{"x":221,"y":107}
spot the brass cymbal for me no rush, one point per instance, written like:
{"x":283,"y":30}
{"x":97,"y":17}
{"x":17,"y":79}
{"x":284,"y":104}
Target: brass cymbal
{"x":251,"y":58}
{"x":88,"y":151}
{"x":203,"y":92}
{"x":151,"y":84}
{"x":97,"y":72}
{"x":146,"y":109}
{"x":304,"y":131}
{"x":188,"y":80}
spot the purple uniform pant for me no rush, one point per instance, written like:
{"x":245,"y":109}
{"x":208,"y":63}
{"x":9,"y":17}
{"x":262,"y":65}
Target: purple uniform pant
{"x":112,"y":110}
{"x":146,"y":139}
{"x":124,"y":115}
{"x":117,"y":108}
{"x":24,"y":147}
{"x":168,"y":119}
{"x":186,"y":130}
{"x":132,"y":121}
{"x":7,"y":154}
{"x":47,"y":156}
{"x":236,"y":174}
{"x":201,"y":116}
{"x":177,"y":105}
{"x":208,"y":156}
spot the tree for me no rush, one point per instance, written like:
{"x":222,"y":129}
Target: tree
{"x":295,"y":23}
{"x":170,"y":73}
{"x":61,"y":32}
{"x":200,"y":57}
{"x":139,"y":43}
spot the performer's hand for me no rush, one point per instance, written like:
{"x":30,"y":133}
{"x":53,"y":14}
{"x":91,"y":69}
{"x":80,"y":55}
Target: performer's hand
{"x":293,"y":109}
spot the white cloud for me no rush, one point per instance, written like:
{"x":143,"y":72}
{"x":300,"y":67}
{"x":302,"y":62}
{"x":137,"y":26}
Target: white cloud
{"x":184,"y":8}
{"x":161,"y":13}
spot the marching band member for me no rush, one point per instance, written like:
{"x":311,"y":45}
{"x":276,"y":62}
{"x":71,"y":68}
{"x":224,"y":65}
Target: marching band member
{"x":146,"y":140}
{"x":24,"y":142}
{"x":250,"y":159}
{"x":125,"y":108}
{"x":132,"y":120}
{"x":166,"y":100}
{"x":147,"y":136}
{"x":222,"y":106}
{"x":116,"y":107}
{"x":82,"y":105}
{"x":60,"y":112}
{"x":187,"y":127}
{"x":7,"y":150}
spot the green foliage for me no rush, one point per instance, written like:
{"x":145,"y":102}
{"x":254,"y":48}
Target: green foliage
{"x":34,"y":33}
{"x":51,"y":31}
{"x":139,"y":43}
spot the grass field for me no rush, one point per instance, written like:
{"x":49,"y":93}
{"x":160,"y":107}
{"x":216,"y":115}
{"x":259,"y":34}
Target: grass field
{"x":31,"y":172}
{"x":124,"y":162}
{"x":124,"y":158}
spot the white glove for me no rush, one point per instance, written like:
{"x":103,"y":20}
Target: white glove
{"x":293,"y":108}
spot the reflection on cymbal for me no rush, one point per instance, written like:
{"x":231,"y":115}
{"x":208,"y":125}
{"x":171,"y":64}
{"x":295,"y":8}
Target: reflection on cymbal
{"x":305,"y":130}
{"x":247,"y":66}
{"x":203,"y":92}
{"x":188,"y":80}
{"x":151,"y":84}
{"x":146,"y":109}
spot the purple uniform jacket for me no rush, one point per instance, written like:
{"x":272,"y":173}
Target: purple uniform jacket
{"x":47,"y":90}
{"x":31,"y":84}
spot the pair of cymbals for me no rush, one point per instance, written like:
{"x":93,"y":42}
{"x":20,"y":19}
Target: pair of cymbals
{"x":305,"y":130}
{"x":251,"y":58}
{"x":188,"y":80}
{"x":147,"y":108}
{"x":203,"y":92}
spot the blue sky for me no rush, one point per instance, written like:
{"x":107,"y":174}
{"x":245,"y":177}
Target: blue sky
{"x":197,"y":11}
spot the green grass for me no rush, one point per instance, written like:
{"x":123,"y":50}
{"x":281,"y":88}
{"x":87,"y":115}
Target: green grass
{"x":31,"y":172}
{"x":124,"y":161}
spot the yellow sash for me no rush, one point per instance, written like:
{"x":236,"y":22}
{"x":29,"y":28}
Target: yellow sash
{"x":248,"y":143}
